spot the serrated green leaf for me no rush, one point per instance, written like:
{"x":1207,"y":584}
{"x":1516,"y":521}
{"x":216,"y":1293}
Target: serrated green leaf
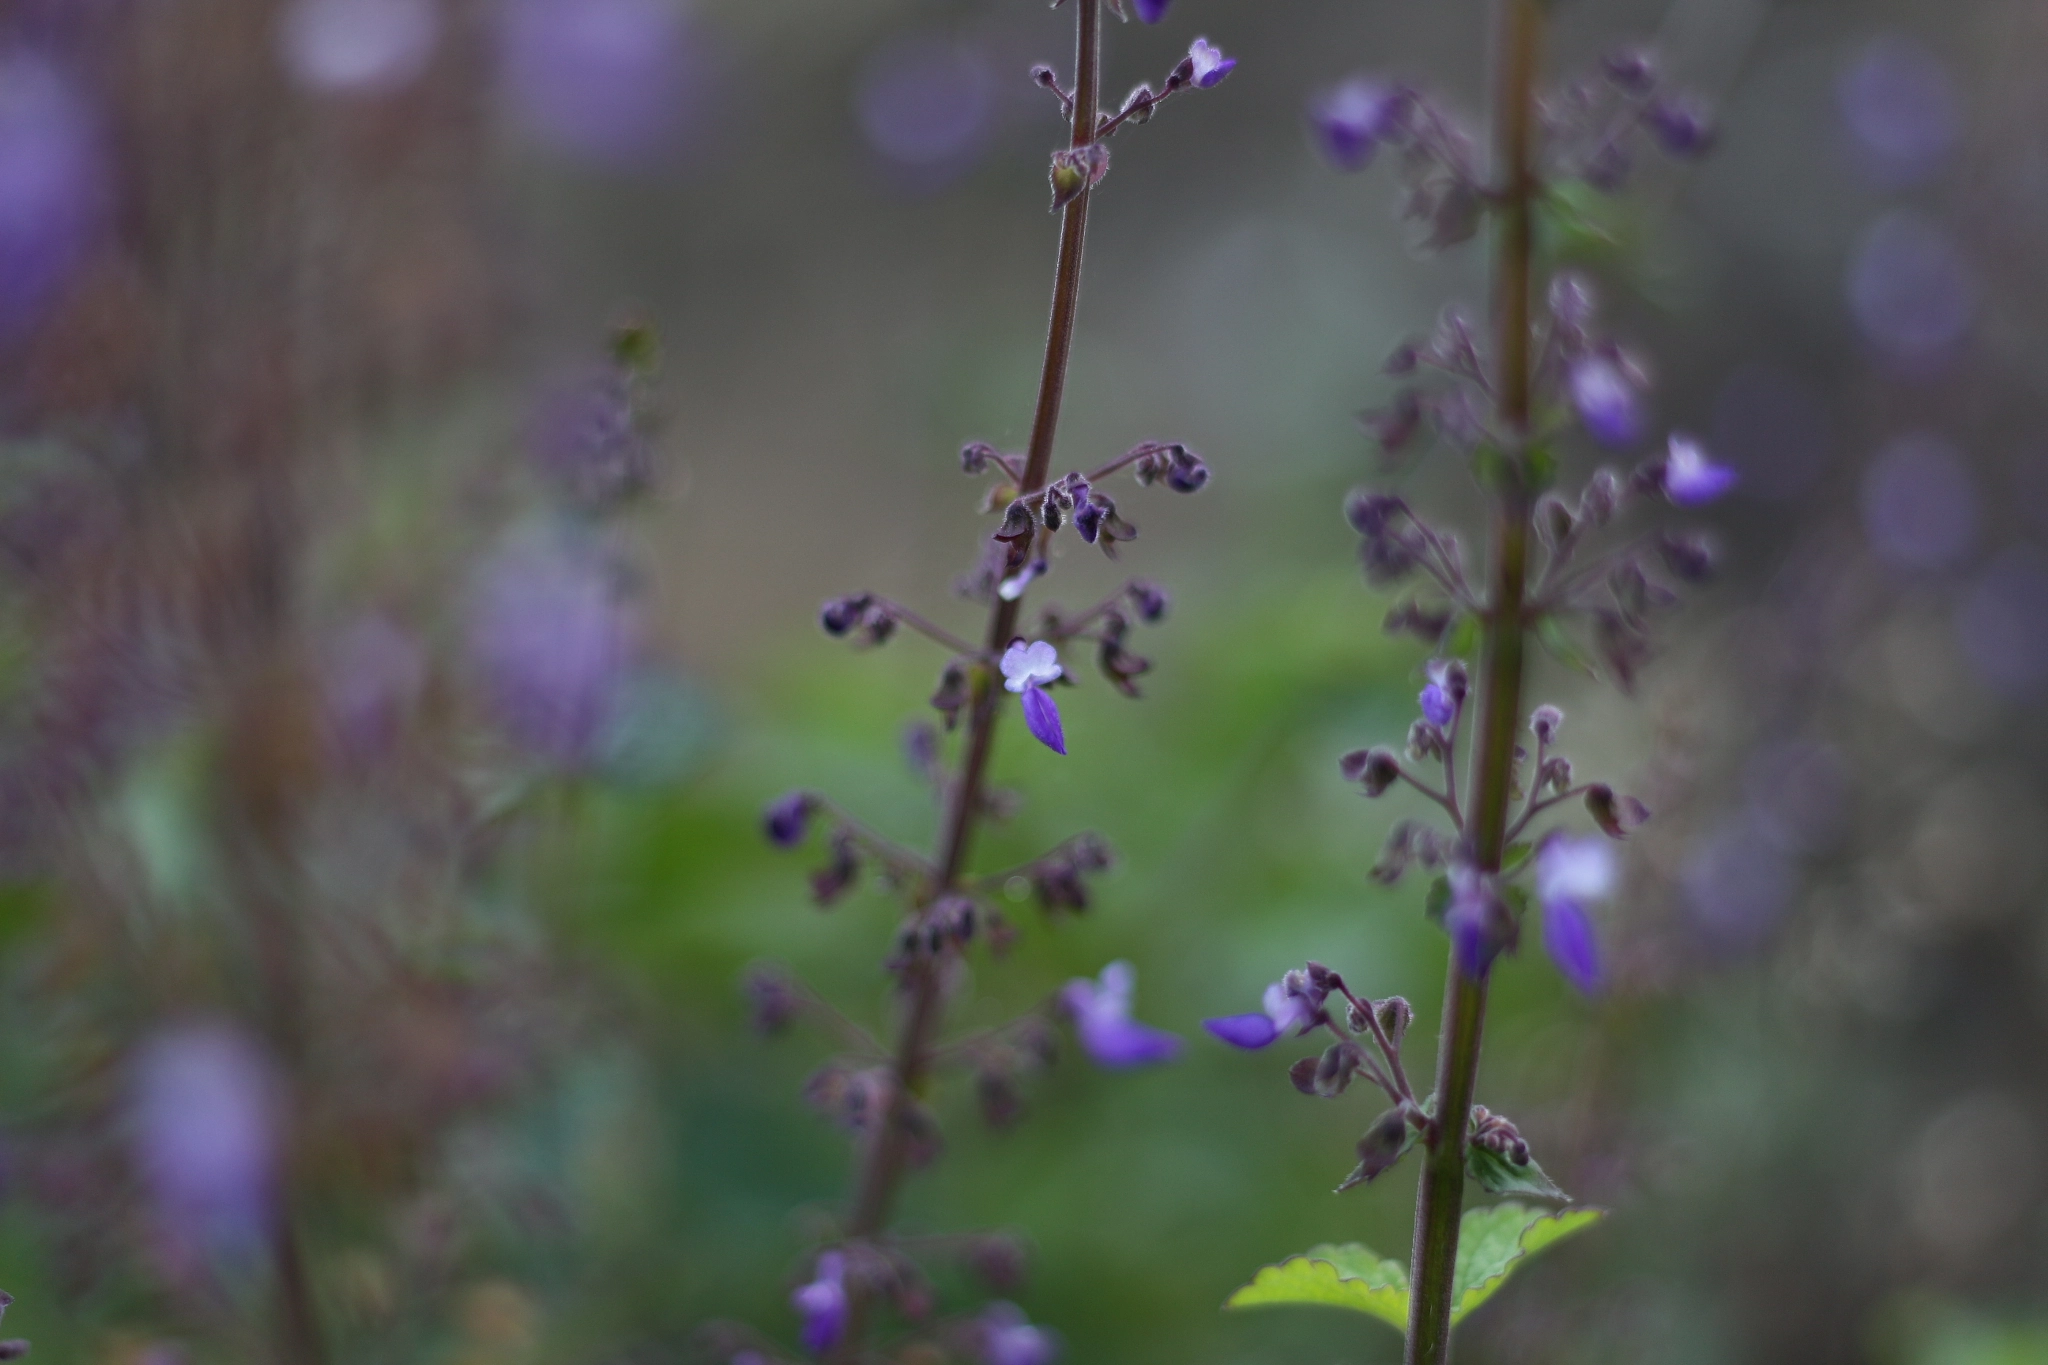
{"x":1497,"y":1175}
{"x":1551,"y":632}
{"x":1351,"y":1276}
{"x":1491,"y":1243}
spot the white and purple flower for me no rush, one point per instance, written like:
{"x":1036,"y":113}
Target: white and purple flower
{"x":1284,"y":1012}
{"x":1570,"y":872}
{"x":1008,"y":1338}
{"x":1691,"y":479}
{"x":823,"y":1304}
{"x":1210,"y":65}
{"x":1351,"y":121}
{"x":1608,"y":400}
{"x":1102,"y":1018}
{"x":1027,"y":668}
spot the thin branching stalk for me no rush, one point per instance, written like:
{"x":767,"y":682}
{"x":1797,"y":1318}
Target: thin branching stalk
{"x":1441,"y":1196}
{"x":886,"y":1157}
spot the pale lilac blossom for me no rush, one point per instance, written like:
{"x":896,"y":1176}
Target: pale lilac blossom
{"x":1101,"y":1011}
{"x":1351,"y":121}
{"x":1691,"y":479}
{"x":1570,"y":873}
{"x":1211,"y":66}
{"x":1607,"y":401}
{"x":1026,"y":670}
{"x":823,"y":1304}
{"x":1283,"y":1012}
{"x":1009,"y":1338}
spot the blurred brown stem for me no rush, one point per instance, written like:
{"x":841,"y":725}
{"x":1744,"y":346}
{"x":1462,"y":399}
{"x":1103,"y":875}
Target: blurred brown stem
{"x":1441,"y":1196}
{"x":884,"y":1160}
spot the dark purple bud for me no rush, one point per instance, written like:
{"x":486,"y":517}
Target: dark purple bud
{"x":842,"y":614}
{"x":1631,"y":69}
{"x":1544,"y":723}
{"x":977,"y":456}
{"x":1395,"y":425}
{"x":1351,"y":121}
{"x":1041,"y":74}
{"x":1681,"y":125}
{"x":1412,"y":618}
{"x":789,"y":819}
{"x":1602,"y":496}
{"x":1370,"y":513}
{"x":1088,"y":521}
{"x":1149,"y":600}
{"x":1617,"y":816}
{"x":1018,"y":522}
{"x":1187,"y":473}
{"x":1402,"y":360}
{"x":1377,"y":769}
{"x":1380,"y":1148}
{"x":772,"y":999}
{"x":833,"y":880}
{"x":953,"y":692}
{"x":1690,"y":558}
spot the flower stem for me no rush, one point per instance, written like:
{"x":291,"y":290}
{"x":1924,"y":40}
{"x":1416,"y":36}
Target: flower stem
{"x":1441,"y":1196}
{"x":883,"y":1162}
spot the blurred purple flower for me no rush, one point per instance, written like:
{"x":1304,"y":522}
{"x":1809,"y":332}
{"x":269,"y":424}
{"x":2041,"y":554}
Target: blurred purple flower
{"x":1900,"y":106}
{"x":357,"y":46}
{"x":1211,"y":66}
{"x":1920,"y":503}
{"x":1151,"y":11}
{"x":1008,"y":1338}
{"x":1690,"y":478}
{"x":53,"y":185}
{"x":1102,"y":1018}
{"x":1570,"y":872}
{"x":1437,"y":706}
{"x":1682,"y":125}
{"x":552,"y":640}
{"x":1352,"y":120}
{"x":203,"y":1107}
{"x":1026,"y":670}
{"x":1476,"y":922}
{"x":1911,"y":290}
{"x":1284,"y":1012}
{"x":2002,"y":622}
{"x":584,"y":441}
{"x":607,"y":80}
{"x":1606,"y":399}
{"x":926,"y":106}
{"x":371,"y":674}
{"x":823,"y":1304}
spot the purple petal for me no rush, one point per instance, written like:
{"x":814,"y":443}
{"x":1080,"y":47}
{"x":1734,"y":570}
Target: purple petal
{"x":1436,"y":705}
{"x":1695,"y":488}
{"x":1042,"y":715}
{"x":1151,"y":11}
{"x":1215,"y":74}
{"x":1606,"y":402}
{"x":1569,"y":939}
{"x":1119,"y":1043}
{"x":1248,"y":1031}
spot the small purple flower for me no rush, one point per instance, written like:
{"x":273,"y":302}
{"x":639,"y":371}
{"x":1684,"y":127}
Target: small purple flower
{"x":823,"y":1304}
{"x":1690,"y":478}
{"x":1476,"y":922}
{"x":1606,"y":398}
{"x":1284,"y":1012}
{"x":53,"y":185}
{"x":1351,"y":121}
{"x":1211,"y":66}
{"x":1102,"y":1017}
{"x":789,"y":818}
{"x":204,"y":1110}
{"x":1437,"y":705}
{"x":1681,"y":125}
{"x":1008,"y":1338}
{"x":1026,"y":670}
{"x":1151,"y":11}
{"x":1570,"y":872}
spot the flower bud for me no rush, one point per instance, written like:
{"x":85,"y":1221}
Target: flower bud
{"x":789,"y":818}
{"x":1544,"y":723}
{"x":1376,"y":768}
{"x":1149,"y":600}
{"x":841,"y":615}
{"x":772,"y":999}
{"x":1394,"y":1015}
{"x":1617,"y":816}
{"x":1690,"y":558}
{"x":1602,"y":496}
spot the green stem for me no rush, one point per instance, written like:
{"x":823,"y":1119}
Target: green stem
{"x":885,"y":1158}
{"x":1441,"y":1196}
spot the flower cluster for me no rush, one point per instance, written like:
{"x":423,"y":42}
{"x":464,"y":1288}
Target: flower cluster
{"x":881,"y":1093}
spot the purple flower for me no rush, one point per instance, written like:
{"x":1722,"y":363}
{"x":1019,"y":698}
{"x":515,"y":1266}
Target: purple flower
{"x":584,"y":442}
{"x":1690,"y":478}
{"x":53,"y":186}
{"x":1211,"y":66}
{"x":1682,"y":125}
{"x":1351,"y":121}
{"x":1008,"y":1338}
{"x":823,"y":1304}
{"x":607,"y":80}
{"x":1605,"y":395}
{"x":1026,"y":669}
{"x":204,"y":1110}
{"x":552,"y":641}
{"x":1437,"y":705}
{"x":1102,"y":1017}
{"x":1570,"y":872}
{"x":787,"y":820}
{"x":1152,"y":11}
{"x":1284,"y":1012}
{"x":1476,"y":921}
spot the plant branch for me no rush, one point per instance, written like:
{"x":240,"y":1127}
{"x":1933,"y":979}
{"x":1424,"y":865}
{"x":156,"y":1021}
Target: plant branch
{"x":1441,"y":1196}
{"x":886,"y":1156}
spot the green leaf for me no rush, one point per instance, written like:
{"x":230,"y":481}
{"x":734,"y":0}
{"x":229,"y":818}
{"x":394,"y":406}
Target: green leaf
{"x":1559,"y":645}
{"x":1491,"y":1243}
{"x":1353,"y":1277}
{"x":1541,"y":467}
{"x":1515,"y":855}
{"x":1438,"y":900}
{"x":1497,"y":1175}
{"x":1464,"y":638}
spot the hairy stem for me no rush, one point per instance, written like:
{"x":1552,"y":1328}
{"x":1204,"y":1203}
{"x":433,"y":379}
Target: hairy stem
{"x":1441,"y":1197}
{"x":886,"y":1155}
